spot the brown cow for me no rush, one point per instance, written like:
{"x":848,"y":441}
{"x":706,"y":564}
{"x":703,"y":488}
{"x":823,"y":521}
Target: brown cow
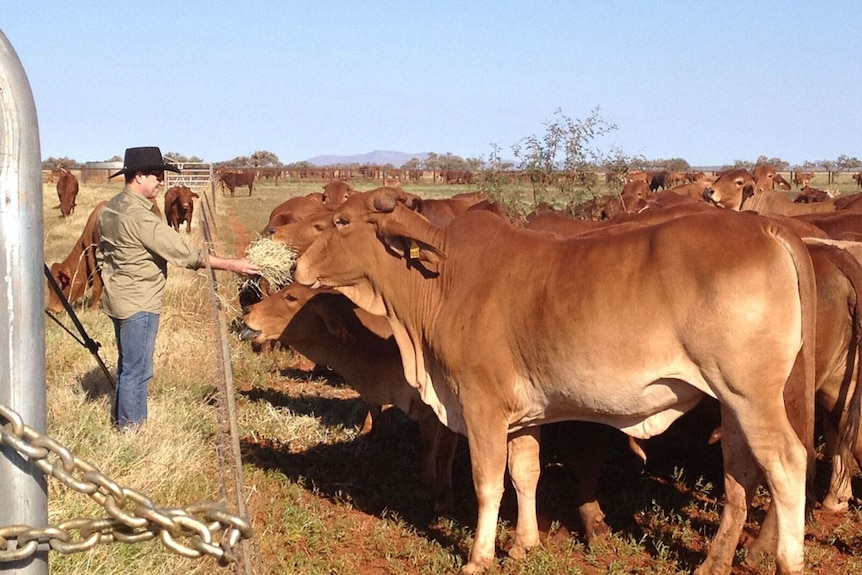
{"x":441,"y":212}
{"x":300,"y":234}
{"x":858,"y":177}
{"x":838,"y":361}
{"x":672,"y":295}
{"x":335,"y":193}
{"x":809,"y":194}
{"x":67,"y":191}
{"x":738,"y":190}
{"x":79,"y":270}
{"x":839,"y":225}
{"x":767,"y":178}
{"x":330,"y":330}
{"x":294,"y":210}
{"x":802,"y":179}
{"x":180,"y":206}
{"x":232,"y":180}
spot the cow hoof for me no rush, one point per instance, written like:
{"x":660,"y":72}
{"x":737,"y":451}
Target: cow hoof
{"x":832,"y":504}
{"x":471,"y":569}
{"x":598,"y":532}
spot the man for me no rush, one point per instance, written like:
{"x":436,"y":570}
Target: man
{"x":135,"y":248}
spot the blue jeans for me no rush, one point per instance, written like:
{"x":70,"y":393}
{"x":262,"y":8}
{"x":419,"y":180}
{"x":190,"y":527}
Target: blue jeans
{"x":136,"y":344}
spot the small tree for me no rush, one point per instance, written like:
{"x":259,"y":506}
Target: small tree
{"x":562,"y":161}
{"x":264,"y":158}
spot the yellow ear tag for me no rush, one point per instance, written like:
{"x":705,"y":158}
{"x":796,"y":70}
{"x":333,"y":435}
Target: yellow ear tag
{"x":414,"y":250}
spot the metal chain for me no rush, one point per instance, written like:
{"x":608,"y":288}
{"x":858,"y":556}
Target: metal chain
{"x":133,"y":517}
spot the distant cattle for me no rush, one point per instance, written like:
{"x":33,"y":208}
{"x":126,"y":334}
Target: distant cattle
{"x":659,"y":180}
{"x":802,"y":179}
{"x":79,"y":271}
{"x":809,"y":194}
{"x":681,"y":295}
{"x":180,"y":206}
{"x":858,"y":177}
{"x":67,"y":191}
{"x":232,"y":180}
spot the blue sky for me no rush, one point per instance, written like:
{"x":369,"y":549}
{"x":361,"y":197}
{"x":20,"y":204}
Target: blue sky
{"x":710,"y":82}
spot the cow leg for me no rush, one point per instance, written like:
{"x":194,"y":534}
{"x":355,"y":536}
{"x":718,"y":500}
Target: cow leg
{"x":487,"y":443}
{"x":583,"y":448}
{"x":741,"y":478}
{"x":524,"y":469}
{"x":438,"y":452}
{"x":590,"y":461}
{"x":774,"y":448}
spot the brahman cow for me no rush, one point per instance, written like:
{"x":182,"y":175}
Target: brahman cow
{"x":330,"y":330}
{"x":838,"y":361}
{"x":502,"y":330}
{"x":441,"y":212}
{"x":232,"y":180}
{"x":336,"y":192}
{"x":67,"y":191}
{"x":809,"y":194}
{"x":839,"y":225}
{"x":294,"y":210}
{"x":180,"y":207}
{"x":79,"y":271}
{"x":802,"y":179}
{"x":767,"y":178}
{"x":739,"y":190}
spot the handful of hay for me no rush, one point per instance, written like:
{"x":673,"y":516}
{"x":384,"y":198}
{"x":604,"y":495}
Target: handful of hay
{"x":274,"y":259}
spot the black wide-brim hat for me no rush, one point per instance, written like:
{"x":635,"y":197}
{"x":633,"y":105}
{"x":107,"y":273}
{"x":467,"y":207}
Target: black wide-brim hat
{"x":144,"y":159}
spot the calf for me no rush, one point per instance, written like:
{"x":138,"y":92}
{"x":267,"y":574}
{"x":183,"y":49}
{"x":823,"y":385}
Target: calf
{"x":330,"y":330}
{"x":179,"y":207}
{"x":67,"y":190}
{"x":79,"y":270}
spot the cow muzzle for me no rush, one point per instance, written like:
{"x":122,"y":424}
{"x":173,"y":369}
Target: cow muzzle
{"x":248,"y":334}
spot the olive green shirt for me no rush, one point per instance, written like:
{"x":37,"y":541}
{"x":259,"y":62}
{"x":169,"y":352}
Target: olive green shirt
{"x":134,"y":250}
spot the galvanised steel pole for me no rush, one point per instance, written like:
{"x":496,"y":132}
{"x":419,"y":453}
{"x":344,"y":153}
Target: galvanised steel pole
{"x":23,"y":493}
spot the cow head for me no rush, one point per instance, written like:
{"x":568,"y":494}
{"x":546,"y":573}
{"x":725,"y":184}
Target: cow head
{"x":299,"y":235}
{"x":267,"y":319}
{"x":336,"y":193}
{"x":731,"y":189}
{"x":371,"y":230}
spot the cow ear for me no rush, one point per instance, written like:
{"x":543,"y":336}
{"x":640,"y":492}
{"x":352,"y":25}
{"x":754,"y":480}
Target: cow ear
{"x":409,"y":244}
{"x":337,"y":328}
{"x":747,"y":192}
{"x":194,"y":195}
{"x":63,"y":278}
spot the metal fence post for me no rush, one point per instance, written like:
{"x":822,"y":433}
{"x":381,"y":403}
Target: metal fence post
{"x":24,"y":497}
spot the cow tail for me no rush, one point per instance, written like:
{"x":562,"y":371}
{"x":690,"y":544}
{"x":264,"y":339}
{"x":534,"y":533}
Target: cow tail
{"x":800,"y":388}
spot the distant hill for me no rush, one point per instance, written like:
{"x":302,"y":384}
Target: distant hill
{"x":377,"y":157}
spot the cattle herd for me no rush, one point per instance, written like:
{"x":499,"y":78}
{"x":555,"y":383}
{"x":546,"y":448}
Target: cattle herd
{"x":626,"y":311}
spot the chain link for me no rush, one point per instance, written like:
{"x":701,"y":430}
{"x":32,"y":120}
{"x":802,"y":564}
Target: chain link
{"x":132,"y":516}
